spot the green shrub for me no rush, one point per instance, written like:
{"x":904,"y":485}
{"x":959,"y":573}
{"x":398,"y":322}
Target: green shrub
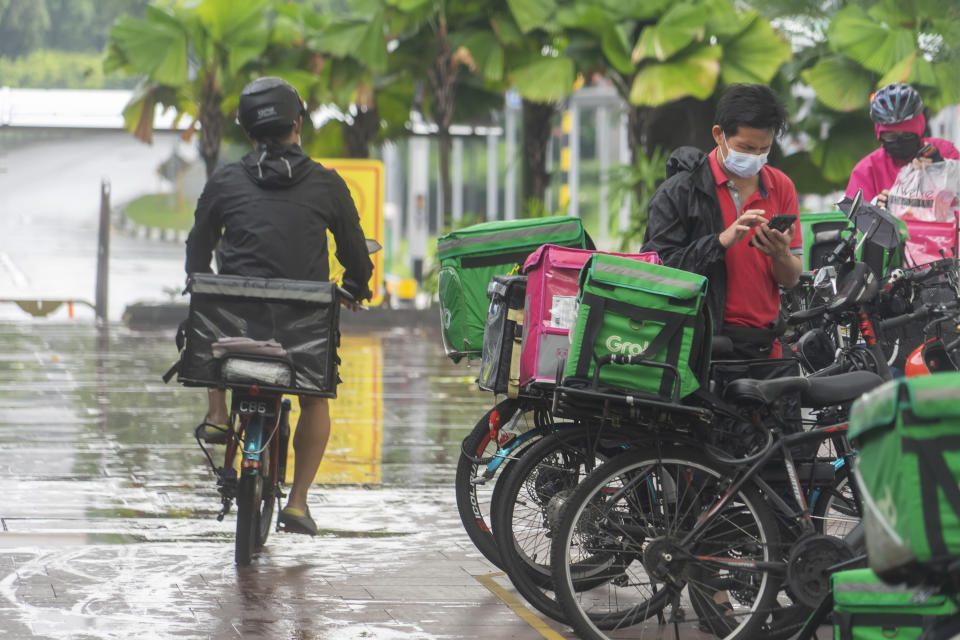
{"x":161,"y":210}
{"x":50,"y":69}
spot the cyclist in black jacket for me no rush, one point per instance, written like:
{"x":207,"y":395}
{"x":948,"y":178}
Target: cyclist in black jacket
{"x":267,"y":216}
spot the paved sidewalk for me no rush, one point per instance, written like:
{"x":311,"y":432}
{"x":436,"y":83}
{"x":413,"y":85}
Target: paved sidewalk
{"x":107,"y":509}
{"x":412,"y":576}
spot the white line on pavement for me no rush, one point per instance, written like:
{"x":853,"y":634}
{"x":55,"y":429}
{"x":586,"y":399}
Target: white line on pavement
{"x":19,"y":280}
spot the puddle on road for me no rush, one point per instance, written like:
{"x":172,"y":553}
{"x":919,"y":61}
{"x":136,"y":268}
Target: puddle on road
{"x":108,"y":506}
{"x":19,"y":540}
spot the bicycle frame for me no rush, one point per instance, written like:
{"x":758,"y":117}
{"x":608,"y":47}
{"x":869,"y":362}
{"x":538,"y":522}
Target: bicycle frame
{"x":801,"y":515}
{"x":255,"y":423}
{"x":256,"y":416}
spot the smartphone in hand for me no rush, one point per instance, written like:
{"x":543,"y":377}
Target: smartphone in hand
{"x":781,"y":222}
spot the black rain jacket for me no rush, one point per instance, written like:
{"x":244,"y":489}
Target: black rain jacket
{"x":267,"y":216}
{"x":684,"y":222}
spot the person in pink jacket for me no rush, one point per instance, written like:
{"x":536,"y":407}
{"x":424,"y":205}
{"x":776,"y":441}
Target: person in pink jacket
{"x":897,"y":114}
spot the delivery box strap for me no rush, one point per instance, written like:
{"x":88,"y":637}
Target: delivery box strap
{"x":935,"y":476}
{"x":674,"y":324}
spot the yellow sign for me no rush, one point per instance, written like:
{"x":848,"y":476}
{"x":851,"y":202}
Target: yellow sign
{"x":353,"y":453}
{"x":364,"y":178}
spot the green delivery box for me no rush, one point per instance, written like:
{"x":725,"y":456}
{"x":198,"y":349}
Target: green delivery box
{"x":469,"y":257}
{"x":908,"y":433}
{"x":641,"y":309}
{"x":865,"y":608}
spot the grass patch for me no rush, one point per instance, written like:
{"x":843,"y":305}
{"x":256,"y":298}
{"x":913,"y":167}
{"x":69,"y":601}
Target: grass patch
{"x":161,"y":210}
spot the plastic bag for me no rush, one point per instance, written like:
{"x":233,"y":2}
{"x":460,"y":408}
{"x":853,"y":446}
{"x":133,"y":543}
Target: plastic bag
{"x":928,"y":193}
{"x":927,"y":199}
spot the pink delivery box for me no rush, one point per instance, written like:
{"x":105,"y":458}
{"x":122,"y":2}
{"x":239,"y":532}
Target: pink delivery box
{"x":553,"y":275}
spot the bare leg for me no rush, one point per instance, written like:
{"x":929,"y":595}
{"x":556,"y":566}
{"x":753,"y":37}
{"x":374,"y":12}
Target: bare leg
{"x":309,"y":444}
{"x":217,"y":406}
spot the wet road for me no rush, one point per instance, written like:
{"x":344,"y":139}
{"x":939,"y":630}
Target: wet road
{"x":107,"y":509}
{"x":50,"y":203}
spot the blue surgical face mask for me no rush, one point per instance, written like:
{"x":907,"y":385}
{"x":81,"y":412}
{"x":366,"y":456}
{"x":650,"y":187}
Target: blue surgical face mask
{"x":745,"y":165}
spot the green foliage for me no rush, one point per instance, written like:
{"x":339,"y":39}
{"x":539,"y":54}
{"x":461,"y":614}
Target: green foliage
{"x":695,"y":45}
{"x":327,"y":141}
{"x":47,"y":69}
{"x":27,"y":26}
{"x":192,"y":57}
{"x":535,"y":208}
{"x":846,"y":55}
{"x":639,"y":181}
{"x":23,"y":24}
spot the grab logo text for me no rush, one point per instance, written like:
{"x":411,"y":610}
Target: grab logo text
{"x":616,"y":344}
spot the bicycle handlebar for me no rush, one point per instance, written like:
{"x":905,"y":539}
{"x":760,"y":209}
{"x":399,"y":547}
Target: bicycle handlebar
{"x":923,"y":311}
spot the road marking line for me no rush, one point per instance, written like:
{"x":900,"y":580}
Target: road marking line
{"x":518,"y":607}
{"x":19,"y":280}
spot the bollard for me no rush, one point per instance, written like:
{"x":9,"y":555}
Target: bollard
{"x":103,"y":253}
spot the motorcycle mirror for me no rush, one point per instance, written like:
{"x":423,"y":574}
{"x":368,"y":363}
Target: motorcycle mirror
{"x":851,"y":206}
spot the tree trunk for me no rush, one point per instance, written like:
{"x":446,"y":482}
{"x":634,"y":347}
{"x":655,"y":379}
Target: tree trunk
{"x":537,"y":125}
{"x":211,"y":123}
{"x":680,"y":123}
{"x":358,"y":136}
{"x":684,"y":122}
{"x":443,"y":75}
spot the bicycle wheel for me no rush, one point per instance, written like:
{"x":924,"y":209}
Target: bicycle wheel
{"x":835,"y":511}
{"x":473,"y":499}
{"x":249,"y":493}
{"x":639,"y":507}
{"x":526,"y":503}
{"x":268,"y":498}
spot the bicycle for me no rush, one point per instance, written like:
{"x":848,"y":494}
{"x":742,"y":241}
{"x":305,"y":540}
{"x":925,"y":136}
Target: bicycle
{"x":527,"y":500}
{"x":679,"y":515}
{"x":259,"y":430}
{"x":499,"y":436}
{"x":260,"y":338}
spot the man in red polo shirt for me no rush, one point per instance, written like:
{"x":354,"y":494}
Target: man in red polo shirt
{"x":710,"y":217}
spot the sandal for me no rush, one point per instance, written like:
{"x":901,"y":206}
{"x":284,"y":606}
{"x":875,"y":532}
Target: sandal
{"x":297,"y":521}
{"x":211,"y":433}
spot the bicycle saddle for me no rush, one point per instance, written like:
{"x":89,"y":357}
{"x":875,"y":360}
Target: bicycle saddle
{"x":814,"y":392}
{"x":838,"y":389}
{"x":764,"y":391}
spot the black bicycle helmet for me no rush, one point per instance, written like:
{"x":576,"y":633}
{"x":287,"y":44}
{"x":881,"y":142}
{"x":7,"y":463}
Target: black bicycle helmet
{"x":895,"y":103}
{"x":269,"y":103}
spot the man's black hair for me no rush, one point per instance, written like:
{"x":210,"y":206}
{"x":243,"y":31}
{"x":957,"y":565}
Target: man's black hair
{"x":273,"y":132}
{"x":750,"y":105}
